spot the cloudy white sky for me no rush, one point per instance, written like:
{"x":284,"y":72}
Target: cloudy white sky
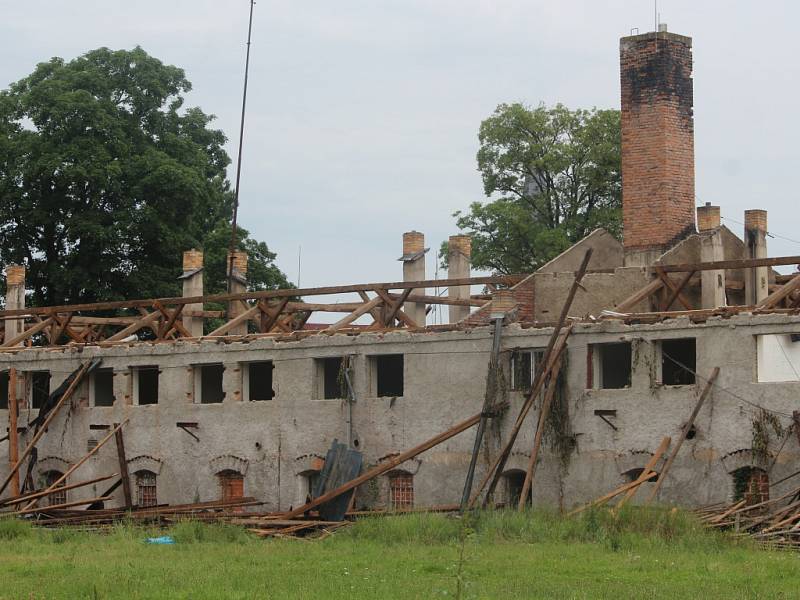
{"x":363,"y":115}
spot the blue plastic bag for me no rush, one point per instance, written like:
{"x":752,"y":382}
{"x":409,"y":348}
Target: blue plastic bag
{"x":164,"y":539}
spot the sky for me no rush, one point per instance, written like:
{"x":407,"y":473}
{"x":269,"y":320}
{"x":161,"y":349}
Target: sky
{"x":363,"y":115}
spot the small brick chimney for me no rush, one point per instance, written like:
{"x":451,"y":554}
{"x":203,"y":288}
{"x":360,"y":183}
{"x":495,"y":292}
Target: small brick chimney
{"x":658,"y":205}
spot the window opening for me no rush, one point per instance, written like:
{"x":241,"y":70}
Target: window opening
{"x":389,"y":375}
{"x":58,"y":496}
{"x":146,"y":493}
{"x":40,"y":388}
{"x":610,"y":366}
{"x":103,"y":387}
{"x":231,"y":485}
{"x":211,"y":391}
{"x":259,"y":380}
{"x":4,"y":389}
{"x":678,"y":361}
{"x":147,"y":385}
{"x":401,"y":490}
{"x":331,"y":379}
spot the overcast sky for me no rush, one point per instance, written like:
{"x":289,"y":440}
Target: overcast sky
{"x":363,"y":115}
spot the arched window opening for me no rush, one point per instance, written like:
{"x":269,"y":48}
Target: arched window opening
{"x":750,"y":484}
{"x":146,"y":488}
{"x":632,"y":475}
{"x":307,"y":482}
{"x":58,"y":496}
{"x":514,"y":480}
{"x":401,"y":490}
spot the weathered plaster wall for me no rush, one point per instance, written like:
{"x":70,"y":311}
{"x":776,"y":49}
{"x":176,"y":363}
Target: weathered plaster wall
{"x":273,"y":441}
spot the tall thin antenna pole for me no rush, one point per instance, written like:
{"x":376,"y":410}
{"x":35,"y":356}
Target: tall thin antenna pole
{"x":241,"y":142}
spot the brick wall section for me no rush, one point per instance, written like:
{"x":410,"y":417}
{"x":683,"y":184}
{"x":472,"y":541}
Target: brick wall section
{"x":708,"y":217}
{"x":657,"y":139}
{"x":517,"y":302}
{"x":755,"y":219}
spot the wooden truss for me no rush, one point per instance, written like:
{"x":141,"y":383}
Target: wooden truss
{"x":280,"y":311}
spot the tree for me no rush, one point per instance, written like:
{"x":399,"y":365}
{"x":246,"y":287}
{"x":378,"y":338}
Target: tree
{"x":552,"y":176}
{"x":105,"y":180}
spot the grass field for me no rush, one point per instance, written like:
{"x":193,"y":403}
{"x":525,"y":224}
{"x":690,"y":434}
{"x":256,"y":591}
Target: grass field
{"x":640,"y":554}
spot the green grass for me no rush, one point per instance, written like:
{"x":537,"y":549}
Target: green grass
{"x":641,"y":553}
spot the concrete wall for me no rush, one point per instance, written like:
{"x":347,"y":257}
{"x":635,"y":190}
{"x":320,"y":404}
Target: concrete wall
{"x":272,"y":442}
{"x":607,"y":253}
{"x":600,"y":291}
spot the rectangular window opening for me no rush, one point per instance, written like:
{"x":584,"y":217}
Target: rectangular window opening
{"x":777,"y":358}
{"x":40,"y":388}
{"x":609,"y":366}
{"x":4,"y":389}
{"x":259,"y":380}
{"x":525,"y":364}
{"x":211,"y":383}
{"x":678,"y":361}
{"x":330,"y":378}
{"x":389,"y":375}
{"x":146,"y":382}
{"x":103,"y":387}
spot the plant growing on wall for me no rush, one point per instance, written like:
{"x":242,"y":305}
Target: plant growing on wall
{"x":764,"y":422}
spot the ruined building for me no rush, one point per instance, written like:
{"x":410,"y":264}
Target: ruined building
{"x":247,"y":402}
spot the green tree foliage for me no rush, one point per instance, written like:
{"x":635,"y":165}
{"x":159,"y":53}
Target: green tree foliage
{"x":105,"y":179}
{"x":552,"y":176}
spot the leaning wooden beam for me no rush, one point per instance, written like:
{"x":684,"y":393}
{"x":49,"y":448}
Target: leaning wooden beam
{"x":13,"y":439}
{"x":548,"y":360}
{"x":646,"y":474}
{"x":550,"y":392}
{"x":242,"y":318}
{"x":675,"y":289}
{"x":385,"y":466}
{"x":776,"y":297}
{"x":64,"y":488}
{"x":641,"y":294}
{"x":270,"y":314}
{"x":282,"y":293}
{"x":42,"y":325}
{"x":26,"y":511}
{"x":393,"y":308}
{"x":135,"y":326}
{"x":123,"y":469}
{"x":687,"y":426}
{"x":616,"y":492}
{"x":365,"y":308}
{"x":74,"y":467}
{"x":50,"y":416}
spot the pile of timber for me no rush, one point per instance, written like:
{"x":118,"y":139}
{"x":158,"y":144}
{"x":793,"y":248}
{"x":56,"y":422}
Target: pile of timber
{"x":775,"y":523}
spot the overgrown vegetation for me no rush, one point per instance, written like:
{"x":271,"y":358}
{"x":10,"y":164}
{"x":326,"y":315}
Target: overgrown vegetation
{"x":640,"y":553}
{"x":764,"y":422}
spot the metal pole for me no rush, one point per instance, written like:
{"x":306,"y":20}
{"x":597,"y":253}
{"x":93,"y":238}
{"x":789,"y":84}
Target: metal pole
{"x":241,"y":143}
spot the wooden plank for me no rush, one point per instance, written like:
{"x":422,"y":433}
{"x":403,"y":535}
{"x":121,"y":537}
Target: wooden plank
{"x":776,"y":297}
{"x":28,"y":333}
{"x":242,"y":318}
{"x":51,"y":415}
{"x":394,"y":310}
{"x":26,"y":510}
{"x":13,"y":438}
{"x":648,"y":468}
{"x":135,"y":326}
{"x":676,"y":290}
{"x":616,"y":492}
{"x":281,"y":293}
{"x":687,"y":426}
{"x":719,"y":265}
{"x":550,"y":392}
{"x":385,"y":466}
{"x":86,"y":457}
{"x":365,"y":308}
{"x":63,"y":488}
{"x":123,"y":468}
{"x":549,"y":360}
{"x":270,"y":314}
{"x":641,"y":294}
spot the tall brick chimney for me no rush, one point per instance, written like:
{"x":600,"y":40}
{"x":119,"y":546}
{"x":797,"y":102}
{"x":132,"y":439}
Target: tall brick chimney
{"x":657,"y":143}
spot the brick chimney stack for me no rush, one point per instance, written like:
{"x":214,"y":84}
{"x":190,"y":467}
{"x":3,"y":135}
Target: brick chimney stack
{"x":658,"y":205}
